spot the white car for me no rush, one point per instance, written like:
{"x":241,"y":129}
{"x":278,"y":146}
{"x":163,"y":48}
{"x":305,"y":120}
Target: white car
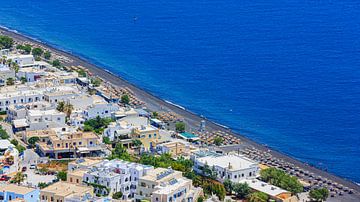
{"x":33,"y":166}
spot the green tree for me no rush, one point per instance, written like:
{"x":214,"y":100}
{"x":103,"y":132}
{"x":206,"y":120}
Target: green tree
{"x":20,"y":148}
{"x":106,"y":140}
{"x":3,"y":134}
{"x":96,"y":82}
{"x":60,"y":106}
{"x":62,"y":175}
{"x":125,"y":99}
{"x":14,"y":142}
{"x":6,"y":42}
{"x":56,"y":63}
{"x":19,"y":177}
{"x":200,"y":199}
{"x":37,"y":52}
{"x":117,"y":195}
{"x":47,"y":55}
{"x":68,"y":108}
{"x":120,"y":152}
{"x":281,"y":179}
{"x":10,"y":81}
{"x":320,"y":194}
{"x":180,"y":127}
{"x":136,"y":143}
{"x":42,"y":185}
{"x":155,"y":115}
{"x":258,"y":197}
{"x":241,"y":190}
{"x":33,"y":140}
{"x":218,"y":141}
{"x":228,"y":185}
{"x":23,"y":80}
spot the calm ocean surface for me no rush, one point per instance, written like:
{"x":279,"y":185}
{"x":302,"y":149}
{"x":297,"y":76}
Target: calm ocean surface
{"x":284,"y":73}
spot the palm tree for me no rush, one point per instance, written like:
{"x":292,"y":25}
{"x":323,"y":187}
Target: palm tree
{"x":60,"y":106}
{"x":19,"y":177}
{"x":68,"y":109}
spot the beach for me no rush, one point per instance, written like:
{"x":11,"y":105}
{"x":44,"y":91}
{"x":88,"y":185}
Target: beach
{"x":155,"y":103}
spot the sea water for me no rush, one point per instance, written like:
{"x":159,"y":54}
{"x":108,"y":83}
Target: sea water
{"x":283,"y":73}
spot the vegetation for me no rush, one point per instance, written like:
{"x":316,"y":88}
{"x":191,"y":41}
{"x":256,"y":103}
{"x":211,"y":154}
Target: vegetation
{"x":26,"y":48}
{"x":2,"y":112}
{"x":258,"y":197}
{"x":200,"y":199}
{"x":33,"y":140}
{"x":125,"y":99}
{"x":119,"y":152}
{"x":106,"y":140}
{"x":20,"y":148}
{"x":6,"y":42}
{"x":3,"y":134}
{"x":65,"y":107}
{"x":42,"y":185}
{"x":10,"y":81}
{"x":97,"y":124}
{"x":214,"y":187}
{"x":19,"y":177}
{"x":242,"y":190}
{"x":155,"y":115}
{"x":81,"y":73}
{"x":228,"y":186}
{"x":56,"y":63}
{"x":37,"y":52}
{"x":62,"y":175}
{"x":180,"y":127}
{"x":23,"y":80}
{"x":117,"y":195}
{"x":96,"y":82}
{"x":218,"y":141}
{"x":320,"y":194}
{"x":14,"y":142}
{"x":47,"y":55}
{"x":136,"y":143}
{"x":281,"y":179}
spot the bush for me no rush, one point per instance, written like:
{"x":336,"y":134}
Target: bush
{"x":3,"y":134}
{"x":14,"y":142}
{"x":320,"y":194}
{"x":62,"y":175}
{"x":56,"y":63}
{"x":20,"y":148}
{"x":6,"y":42}
{"x":180,"y":127}
{"x":32,"y":141}
{"x":125,"y":99}
{"x":117,"y":195}
{"x":241,"y":190}
{"x":106,"y":140}
{"x":37,"y":52}
{"x":47,"y":55}
{"x":281,"y":179}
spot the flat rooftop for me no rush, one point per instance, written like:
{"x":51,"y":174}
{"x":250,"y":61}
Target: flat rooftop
{"x":66,"y":189}
{"x":16,"y":188}
{"x":231,"y":162}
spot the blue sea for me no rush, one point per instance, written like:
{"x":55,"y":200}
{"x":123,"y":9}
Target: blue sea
{"x":283,"y":73}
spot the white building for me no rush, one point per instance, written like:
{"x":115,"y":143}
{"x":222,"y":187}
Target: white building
{"x":40,"y":120}
{"x":102,"y":109}
{"x":117,"y":176}
{"x":232,"y":167}
{"x":5,"y":73}
{"x":23,"y":60}
{"x":9,"y":157}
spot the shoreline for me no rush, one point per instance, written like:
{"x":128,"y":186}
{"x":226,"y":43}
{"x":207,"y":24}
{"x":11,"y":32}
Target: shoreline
{"x":154,"y":102}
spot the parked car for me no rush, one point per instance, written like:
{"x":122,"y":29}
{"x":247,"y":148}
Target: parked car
{"x":4,"y":178}
{"x":23,"y":169}
{"x":32,"y":166}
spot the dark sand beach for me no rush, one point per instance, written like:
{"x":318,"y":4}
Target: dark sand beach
{"x":155,"y":103}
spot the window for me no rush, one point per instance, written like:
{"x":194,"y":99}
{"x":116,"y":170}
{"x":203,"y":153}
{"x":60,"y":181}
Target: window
{"x":58,"y":145}
{"x":77,"y":180}
{"x":80,"y":143}
{"x":149,"y":135}
{"x":70,"y":179}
